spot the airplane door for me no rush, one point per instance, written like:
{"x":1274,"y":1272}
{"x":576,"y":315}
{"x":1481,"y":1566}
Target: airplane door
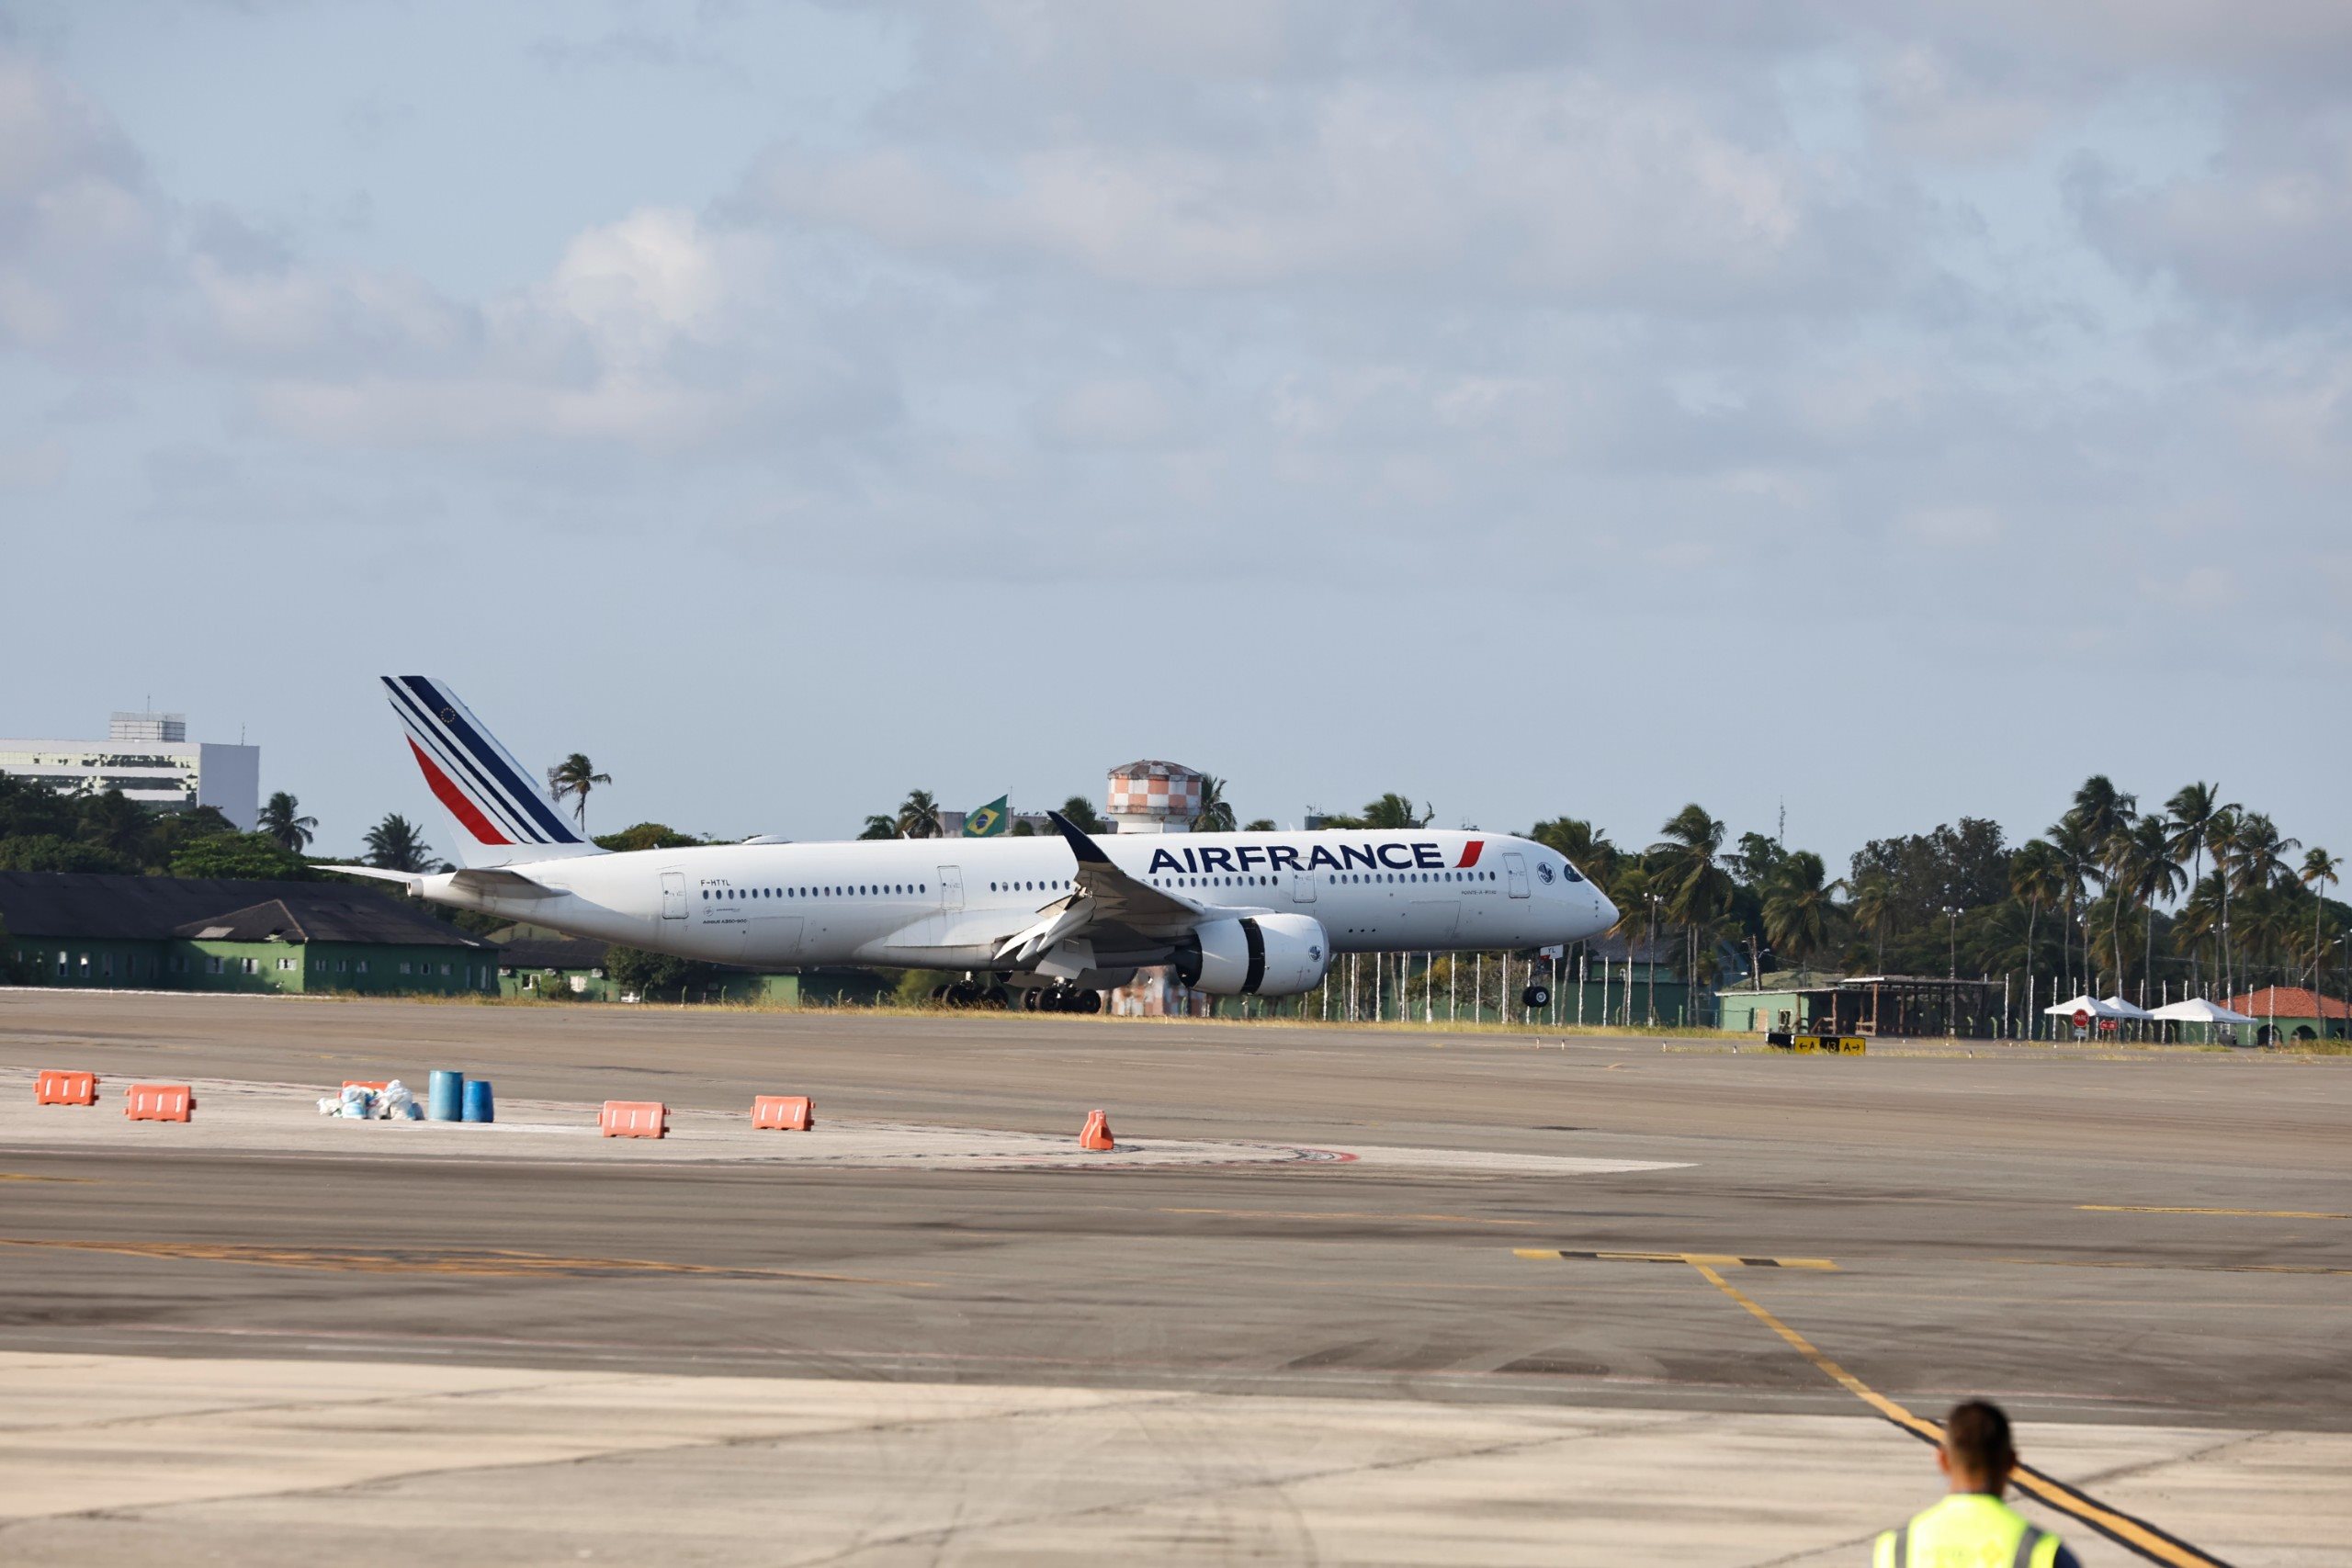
{"x":1302,"y":887}
{"x":673,"y":895}
{"x":951,"y":889}
{"x":1515,"y":874}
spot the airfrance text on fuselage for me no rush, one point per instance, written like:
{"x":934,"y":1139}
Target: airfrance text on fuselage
{"x":1285,"y":857}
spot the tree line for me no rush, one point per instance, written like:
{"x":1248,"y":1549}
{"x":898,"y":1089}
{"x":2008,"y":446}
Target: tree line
{"x":2201,"y":895}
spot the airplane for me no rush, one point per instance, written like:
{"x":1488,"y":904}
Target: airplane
{"x":1039,"y":923}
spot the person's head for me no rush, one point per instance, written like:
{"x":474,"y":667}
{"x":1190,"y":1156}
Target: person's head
{"x":1978,"y":1453}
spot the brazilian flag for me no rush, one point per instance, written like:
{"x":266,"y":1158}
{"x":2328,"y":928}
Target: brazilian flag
{"x":987,"y":821}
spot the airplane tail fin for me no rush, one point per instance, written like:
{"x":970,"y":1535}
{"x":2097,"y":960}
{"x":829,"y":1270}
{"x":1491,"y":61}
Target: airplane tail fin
{"x":501,"y":816}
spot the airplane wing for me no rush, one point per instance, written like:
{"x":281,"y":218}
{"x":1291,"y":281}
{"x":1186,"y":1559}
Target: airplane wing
{"x":1119,"y":897}
{"x":1100,"y":896}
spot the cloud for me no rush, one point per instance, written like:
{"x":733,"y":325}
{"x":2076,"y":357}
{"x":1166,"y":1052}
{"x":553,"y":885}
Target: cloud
{"x":1567,"y":188}
{"x":2268,"y":226}
{"x":82,"y":231}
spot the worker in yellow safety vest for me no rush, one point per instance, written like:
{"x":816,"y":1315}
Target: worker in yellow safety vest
{"x":1973,"y":1527}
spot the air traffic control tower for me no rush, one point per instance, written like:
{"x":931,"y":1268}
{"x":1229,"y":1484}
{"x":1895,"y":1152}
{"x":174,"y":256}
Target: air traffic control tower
{"x":1150,"y":797}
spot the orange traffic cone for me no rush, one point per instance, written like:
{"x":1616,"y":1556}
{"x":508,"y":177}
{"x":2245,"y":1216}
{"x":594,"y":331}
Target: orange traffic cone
{"x":1097,"y":1134}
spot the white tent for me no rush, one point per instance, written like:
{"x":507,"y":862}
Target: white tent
{"x":2090,"y":1005}
{"x":2118,"y":1007}
{"x":2197,"y":1009}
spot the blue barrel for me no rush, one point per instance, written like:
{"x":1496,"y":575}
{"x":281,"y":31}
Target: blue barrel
{"x":477,"y":1103}
{"x":441,"y":1095}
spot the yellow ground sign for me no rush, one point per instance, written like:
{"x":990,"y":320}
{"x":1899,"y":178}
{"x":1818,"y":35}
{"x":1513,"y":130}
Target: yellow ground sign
{"x":1840,"y":1045}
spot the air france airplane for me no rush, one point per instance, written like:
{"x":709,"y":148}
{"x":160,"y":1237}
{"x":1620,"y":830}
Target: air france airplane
{"x":1038,"y":922}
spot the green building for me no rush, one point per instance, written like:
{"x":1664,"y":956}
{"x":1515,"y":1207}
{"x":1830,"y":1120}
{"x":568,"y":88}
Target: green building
{"x":1794,"y":1002}
{"x":226,"y":934}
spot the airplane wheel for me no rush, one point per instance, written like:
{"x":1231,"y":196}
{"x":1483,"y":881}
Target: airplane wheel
{"x":939,"y":995}
{"x":1089,"y":1001}
{"x":963,"y":994}
{"x":1536,"y":996}
{"x":1029,"y":1002}
{"x":997,"y":997}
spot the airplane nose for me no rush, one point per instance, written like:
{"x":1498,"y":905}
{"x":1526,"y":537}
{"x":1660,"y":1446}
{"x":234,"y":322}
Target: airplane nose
{"x":1604,"y":911}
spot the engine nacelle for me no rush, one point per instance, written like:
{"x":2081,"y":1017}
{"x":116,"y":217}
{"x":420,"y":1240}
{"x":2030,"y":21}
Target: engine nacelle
{"x":1256,"y":955}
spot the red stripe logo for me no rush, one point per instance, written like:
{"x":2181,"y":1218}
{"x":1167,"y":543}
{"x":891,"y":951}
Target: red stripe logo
{"x":468,"y":814}
{"x":1470,"y":854}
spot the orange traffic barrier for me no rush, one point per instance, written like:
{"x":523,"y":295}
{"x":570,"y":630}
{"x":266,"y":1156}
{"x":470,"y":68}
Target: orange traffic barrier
{"x":1097,"y":1132}
{"x":783,"y":1113}
{"x":159,"y":1102}
{"x":363,"y":1083}
{"x":65,"y":1088}
{"x":633,"y":1119}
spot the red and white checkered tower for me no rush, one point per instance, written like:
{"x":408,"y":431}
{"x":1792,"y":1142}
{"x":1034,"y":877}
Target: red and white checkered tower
{"x":1154,"y":797}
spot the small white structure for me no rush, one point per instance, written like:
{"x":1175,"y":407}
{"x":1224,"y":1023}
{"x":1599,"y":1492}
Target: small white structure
{"x":150,"y":759}
{"x":2197,"y":1009}
{"x":1150,"y":797}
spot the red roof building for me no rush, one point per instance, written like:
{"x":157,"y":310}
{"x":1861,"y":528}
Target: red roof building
{"x":2296,"y":1013}
{"x":2289,"y":1001}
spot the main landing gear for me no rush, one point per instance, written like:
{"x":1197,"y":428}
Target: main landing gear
{"x":970,"y":993}
{"x":1060,"y":998}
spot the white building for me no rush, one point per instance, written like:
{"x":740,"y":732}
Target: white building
{"x":149,"y":757}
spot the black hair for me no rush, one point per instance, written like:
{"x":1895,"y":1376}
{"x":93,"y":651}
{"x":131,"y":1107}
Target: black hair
{"x":1976,"y":1435}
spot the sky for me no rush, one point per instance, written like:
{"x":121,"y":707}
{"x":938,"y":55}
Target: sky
{"x":1869,"y":414}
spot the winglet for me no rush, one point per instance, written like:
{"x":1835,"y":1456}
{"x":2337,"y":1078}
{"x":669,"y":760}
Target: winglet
{"x":1081,"y":844}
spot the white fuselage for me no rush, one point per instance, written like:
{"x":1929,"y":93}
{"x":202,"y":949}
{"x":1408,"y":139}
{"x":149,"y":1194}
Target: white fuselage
{"x":949,"y":903}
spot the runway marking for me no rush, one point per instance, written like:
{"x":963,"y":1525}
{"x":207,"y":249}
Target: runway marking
{"x":28,"y":1176}
{"x":487,"y":1263}
{"x":2238,"y":1214}
{"x":2184,"y":1268}
{"x":1696,"y":1259}
{"x":1348,"y":1214}
{"x":2138,"y":1535}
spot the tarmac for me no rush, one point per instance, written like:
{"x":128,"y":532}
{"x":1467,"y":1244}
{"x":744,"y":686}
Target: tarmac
{"x":1345,"y":1295}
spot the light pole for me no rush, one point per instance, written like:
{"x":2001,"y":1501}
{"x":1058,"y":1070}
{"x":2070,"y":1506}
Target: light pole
{"x":1952,"y":971}
{"x":1649,"y":1009}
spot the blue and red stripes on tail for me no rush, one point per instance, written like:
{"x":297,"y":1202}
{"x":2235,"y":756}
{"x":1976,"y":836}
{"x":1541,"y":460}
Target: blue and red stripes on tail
{"x":476,"y":779}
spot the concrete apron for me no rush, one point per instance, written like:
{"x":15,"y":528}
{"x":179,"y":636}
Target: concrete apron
{"x":117,"y":1459}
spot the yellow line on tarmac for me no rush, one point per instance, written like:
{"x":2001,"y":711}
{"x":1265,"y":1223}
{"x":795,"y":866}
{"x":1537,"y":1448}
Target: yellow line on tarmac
{"x":27,"y":1175}
{"x":2140,"y":1536}
{"x":2237,"y":1214}
{"x":490,"y":1263}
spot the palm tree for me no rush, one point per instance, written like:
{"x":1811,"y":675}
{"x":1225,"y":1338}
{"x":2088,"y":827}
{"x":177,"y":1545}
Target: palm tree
{"x":397,"y":845}
{"x":1394,"y":810}
{"x":2319,"y":874}
{"x":1694,"y":886}
{"x":2106,"y":814}
{"x":1082,"y":816}
{"x":1216,"y":815}
{"x":1799,"y":907}
{"x":2260,"y":853}
{"x":1873,"y":902}
{"x":282,"y":819}
{"x":2037,"y":876}
{"x":2150,"y":875}
{"x":2078,"y":857}
{"x":2201,"y":914}
{"x":571,"y":779}
{"x":1587,"y":849}
{"x":2194,"y":809}
{"x":880,"y":827}
{"x":918,"y":816}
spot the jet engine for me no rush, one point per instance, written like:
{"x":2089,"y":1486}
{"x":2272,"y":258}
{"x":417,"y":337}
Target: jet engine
{"x":1256,"y":955}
